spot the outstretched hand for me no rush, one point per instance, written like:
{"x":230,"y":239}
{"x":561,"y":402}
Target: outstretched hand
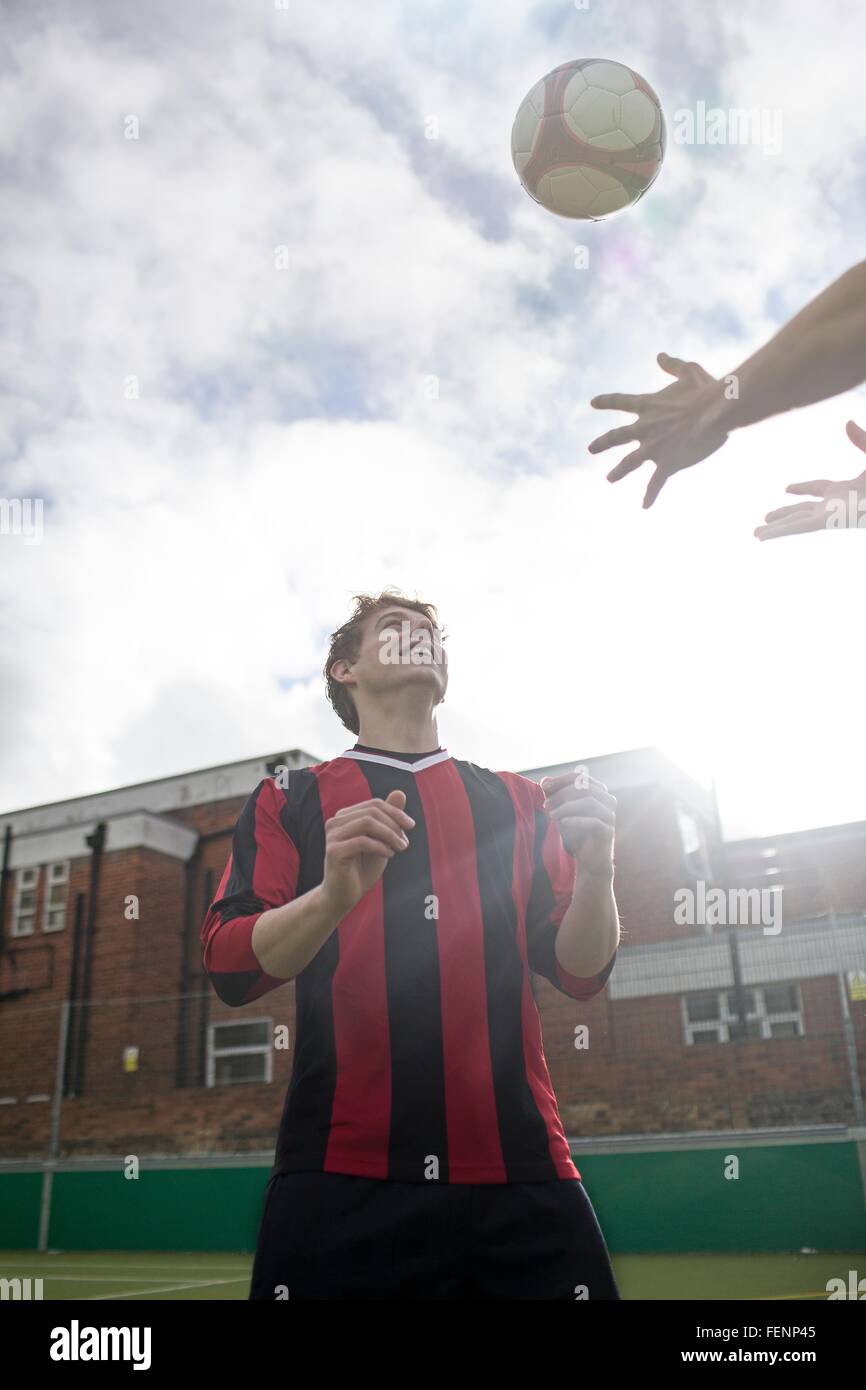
{"x":833,"y":506}
{"x":675,"y":427}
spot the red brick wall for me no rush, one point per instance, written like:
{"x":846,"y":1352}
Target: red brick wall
{"x":821,"y":871}
{"x":638,"y":1074}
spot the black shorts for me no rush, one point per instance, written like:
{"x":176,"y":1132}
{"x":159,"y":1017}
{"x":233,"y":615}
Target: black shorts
{"x":329,"y":1235}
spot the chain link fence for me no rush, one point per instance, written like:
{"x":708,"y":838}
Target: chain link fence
{"x":711,"y":1033}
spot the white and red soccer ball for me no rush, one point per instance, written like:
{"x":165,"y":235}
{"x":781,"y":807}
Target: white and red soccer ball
{"x":589,"y":139}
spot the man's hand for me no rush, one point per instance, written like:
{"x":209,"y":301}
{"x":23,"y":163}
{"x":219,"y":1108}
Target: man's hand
{"x":359,"y":842}
{"x":676,"y":426}
{"x":584,"y":812}
{"x":839,"y":505}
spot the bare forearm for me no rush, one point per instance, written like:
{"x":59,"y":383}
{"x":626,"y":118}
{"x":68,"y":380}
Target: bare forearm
{"x":818,"y":353}
{"x":285,"y":939}
{"x":589,"y":932}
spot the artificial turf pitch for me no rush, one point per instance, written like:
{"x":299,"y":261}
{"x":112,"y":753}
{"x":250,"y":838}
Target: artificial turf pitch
{"x":121,"y":1275}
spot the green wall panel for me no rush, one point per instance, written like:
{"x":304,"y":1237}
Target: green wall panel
{"x":163,"y":1209}
{"x":20,"y":1195}
{"x":786,"y":1197}
{"x":668,"y":1201}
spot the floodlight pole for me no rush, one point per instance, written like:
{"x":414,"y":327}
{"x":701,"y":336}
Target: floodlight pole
{"x":848,"y":1033}
{"x":54,"y":1137}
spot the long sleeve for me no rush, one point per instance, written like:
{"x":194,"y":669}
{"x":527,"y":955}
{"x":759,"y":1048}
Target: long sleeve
{"x":261,"y":873}
{"x":549,"y":899}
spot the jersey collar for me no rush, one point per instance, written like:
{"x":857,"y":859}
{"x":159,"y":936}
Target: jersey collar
{"x":417,"y":766}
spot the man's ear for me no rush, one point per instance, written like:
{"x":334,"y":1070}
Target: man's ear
{"x":342,"y":671}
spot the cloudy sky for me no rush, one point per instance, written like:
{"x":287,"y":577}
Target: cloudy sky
{"x":231,"y":441}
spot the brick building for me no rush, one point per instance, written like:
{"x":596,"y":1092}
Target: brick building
{"x":704,"y":1026}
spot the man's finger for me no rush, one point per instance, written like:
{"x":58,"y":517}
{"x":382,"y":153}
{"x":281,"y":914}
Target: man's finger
{"x":369,"y":823}
{"x":793,"y":526}
{"x":623,"y":435}
{"x":617,"y":401}
{"x":575,"y":796}
{"x":361,"y":844}
{"x":781,"y":512}
{"x":629,"y":463}
{"x":675,"y":366}
{"x":581,"y":827}
{"x":386,"y":810}
{"x":856,"y":435}
{"x":656,"y":483}
{"x":816,"y":488}
{"x":588,"y":808}
{"x":551,"y":785}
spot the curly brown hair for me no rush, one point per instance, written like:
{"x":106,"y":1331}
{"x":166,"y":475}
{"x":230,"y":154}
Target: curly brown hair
{"x":345,"y":644}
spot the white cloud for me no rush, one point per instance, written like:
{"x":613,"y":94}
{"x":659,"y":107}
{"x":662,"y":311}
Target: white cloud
{"x":285,"y":451}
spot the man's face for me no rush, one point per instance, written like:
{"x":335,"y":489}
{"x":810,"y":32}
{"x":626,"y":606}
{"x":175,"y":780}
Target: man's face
{"x":399,"y":648}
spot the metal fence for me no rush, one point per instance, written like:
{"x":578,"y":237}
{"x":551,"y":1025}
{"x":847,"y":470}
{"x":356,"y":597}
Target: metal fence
{"x":721,"y":1031}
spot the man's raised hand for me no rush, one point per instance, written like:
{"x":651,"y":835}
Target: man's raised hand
{"x":676,"y":426}
{"x":359,"y":842}
{"x":584,"y":812}
{"x":834,"y":506}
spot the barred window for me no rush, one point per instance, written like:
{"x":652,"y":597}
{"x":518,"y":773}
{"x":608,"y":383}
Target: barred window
{"x":771,"y":1011}
{"x":240,"y":1053}
{"x":24,"y":906}
{"x":54,"y":910}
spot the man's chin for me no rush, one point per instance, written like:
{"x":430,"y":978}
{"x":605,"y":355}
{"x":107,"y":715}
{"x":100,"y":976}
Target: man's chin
{"x":423,"y":674}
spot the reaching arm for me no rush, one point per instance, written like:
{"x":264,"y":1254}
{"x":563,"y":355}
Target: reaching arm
{"x":820,"y":352}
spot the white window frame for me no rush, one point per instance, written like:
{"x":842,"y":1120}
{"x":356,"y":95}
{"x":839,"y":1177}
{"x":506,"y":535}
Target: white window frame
{"x":26,"y":881}
{"x":727,"y":1016}
{"x":696,"y":854}
{"x":56,"y":875}
{"x":266,"y":1049}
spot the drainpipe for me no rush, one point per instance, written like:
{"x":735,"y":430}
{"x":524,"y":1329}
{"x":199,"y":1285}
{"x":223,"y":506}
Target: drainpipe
{"x":204,"y":1013}
{"x":96,"y":843}
{"x":182,"y":1011}
{"x":72,"y":991}
{"x":189,"y":936}
{"x":4,"y":883}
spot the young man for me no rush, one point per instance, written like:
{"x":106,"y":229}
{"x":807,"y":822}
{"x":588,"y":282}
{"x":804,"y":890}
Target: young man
{"x":409,"y":894}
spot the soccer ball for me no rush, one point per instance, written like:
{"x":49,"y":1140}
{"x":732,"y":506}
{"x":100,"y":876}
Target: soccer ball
{"x":589,"y":139}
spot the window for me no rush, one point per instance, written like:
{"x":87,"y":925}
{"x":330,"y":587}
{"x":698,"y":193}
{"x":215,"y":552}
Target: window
{"x":771,"y":1011}
{"x":703,"y":1008}
{"x":768,"y":872}
{"x":784,"y":1011}
{"x":24,"y":908}
{"x":240,"y":1052}
{"x":689,"y":832}
{"x":54,"y":911}
{"x":781,"y":999}
{"x":693,"y":842}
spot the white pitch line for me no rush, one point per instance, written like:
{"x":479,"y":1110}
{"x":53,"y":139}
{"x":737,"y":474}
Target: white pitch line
{"x":168,"y":1268}
{"x":170,"y":1288}
{"x":113,"y":1278}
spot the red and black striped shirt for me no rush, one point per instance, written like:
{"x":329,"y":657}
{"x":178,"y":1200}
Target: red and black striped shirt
{"x":418,"y":1050}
